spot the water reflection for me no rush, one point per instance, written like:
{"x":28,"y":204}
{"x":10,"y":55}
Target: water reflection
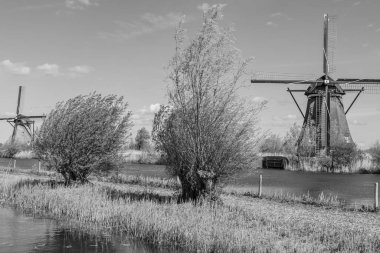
{"x":19,"y":233}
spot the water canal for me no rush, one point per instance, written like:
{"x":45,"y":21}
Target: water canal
{"x":20,"y":233}
{"x":354,"y":189}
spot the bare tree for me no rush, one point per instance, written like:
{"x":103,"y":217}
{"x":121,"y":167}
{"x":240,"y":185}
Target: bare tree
{"x":290,"y":140}
{"x":83,"y":134}
{"x":209,"y":132}
{"x":375,"y":153}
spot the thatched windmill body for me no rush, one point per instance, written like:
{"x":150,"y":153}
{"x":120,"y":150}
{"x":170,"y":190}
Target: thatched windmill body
{"x":325,"y":118}
{"x":21,"y":121}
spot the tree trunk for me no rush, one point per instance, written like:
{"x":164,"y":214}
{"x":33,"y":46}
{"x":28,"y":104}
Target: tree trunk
{"x":192,"y":191}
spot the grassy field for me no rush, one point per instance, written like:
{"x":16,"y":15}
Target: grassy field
{"x":146,"y":209}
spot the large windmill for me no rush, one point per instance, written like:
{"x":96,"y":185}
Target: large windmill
{"x":22,"y":121}
{"x":325,"y":118}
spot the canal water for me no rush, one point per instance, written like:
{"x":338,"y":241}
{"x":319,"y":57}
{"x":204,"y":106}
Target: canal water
{"x":353,"y":189}
{"x":20,"y":233}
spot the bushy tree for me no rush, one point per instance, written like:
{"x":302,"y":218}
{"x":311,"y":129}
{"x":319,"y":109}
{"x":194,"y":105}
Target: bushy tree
{"x":272,"y":144}
{"x":142,"y":139}
{"x":342,"y":152}
{"x":83,"y":134}
{"x":209,"y":132}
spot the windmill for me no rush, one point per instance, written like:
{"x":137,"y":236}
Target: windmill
{"x":22,"y":121}
{"x":325,"y":118}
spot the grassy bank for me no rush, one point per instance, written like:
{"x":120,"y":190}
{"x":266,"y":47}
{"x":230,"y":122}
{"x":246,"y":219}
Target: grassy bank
{"x":133,"y":156}
{"x":239,"y":224}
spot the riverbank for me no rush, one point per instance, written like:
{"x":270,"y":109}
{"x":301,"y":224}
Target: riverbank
{"x":239,"y":223}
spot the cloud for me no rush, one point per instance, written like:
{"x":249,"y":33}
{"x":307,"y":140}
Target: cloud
{"x":356,"y":3}
{"x":146,"y":23}
{"x":80,"y":4}
{"x":370,"y":25}
{"x":259,"y":99}
{"x":144,"y":116}
{"x":162,"y":22}
{"x":154,"y":108}
{"x":356,"y":122}
{"x":271,"y":24}
{"x":280,"y":15}
{"x":79,"y":70}
{"x":377,"y":30}
{"x":49,"y":69}
{"x":277,"y":14}
{"x":290,"y":117}
{"x":17,"y":68}
{"x":283,"y":121}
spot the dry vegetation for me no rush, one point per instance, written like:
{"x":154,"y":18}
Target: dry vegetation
{"x":238,"y":224}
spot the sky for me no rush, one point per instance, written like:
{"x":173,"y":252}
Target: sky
{"x":58,"y":49}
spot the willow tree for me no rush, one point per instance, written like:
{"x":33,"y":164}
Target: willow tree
{"x":83,"y":135}
{"x":209,"y":132}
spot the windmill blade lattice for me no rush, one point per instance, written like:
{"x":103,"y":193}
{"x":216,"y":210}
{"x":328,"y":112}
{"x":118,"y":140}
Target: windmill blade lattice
{"x":332,"y":43}
{"x":371,"y":86}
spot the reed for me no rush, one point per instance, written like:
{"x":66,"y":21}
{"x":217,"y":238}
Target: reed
{"x":240,"y":224}
{"x":326,"y":200}
{"x":142,"y":180}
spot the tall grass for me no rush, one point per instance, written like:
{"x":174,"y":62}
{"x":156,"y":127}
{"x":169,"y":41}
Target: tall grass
{"x":142,"y":157}
{"x":142,"y":180}
{"x":240,"y":224}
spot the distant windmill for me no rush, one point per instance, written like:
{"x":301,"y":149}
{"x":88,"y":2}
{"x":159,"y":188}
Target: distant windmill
{"x":23,"y":121}
{"x":325,"y":119}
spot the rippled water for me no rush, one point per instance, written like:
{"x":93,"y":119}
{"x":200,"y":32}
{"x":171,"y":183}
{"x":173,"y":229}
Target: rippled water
{"x":20,"y":233}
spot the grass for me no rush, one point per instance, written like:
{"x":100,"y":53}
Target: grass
{"x":285,"y":197}
{"x":142,"y":180}
{"x":133,"y":156}
{"x":240,"y":224}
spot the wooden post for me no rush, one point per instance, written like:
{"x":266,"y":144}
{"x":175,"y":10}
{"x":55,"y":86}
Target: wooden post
{"x":39,"y":166}
{"x":14,"y":164}
{"x":260,"y":185}
{"x":376,"y":206}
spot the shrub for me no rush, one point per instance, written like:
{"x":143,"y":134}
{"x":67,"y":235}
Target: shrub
{"x":208,"y":132}
{"x":84,"y":134}
{"x":10,"y":149}
{"x":343,"y":154}
{"x":142,"y":139}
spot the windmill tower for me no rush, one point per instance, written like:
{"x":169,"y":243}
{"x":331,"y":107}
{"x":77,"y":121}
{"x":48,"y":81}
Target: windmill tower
{"x":21,"y":121}
{"x":325,"y":118}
